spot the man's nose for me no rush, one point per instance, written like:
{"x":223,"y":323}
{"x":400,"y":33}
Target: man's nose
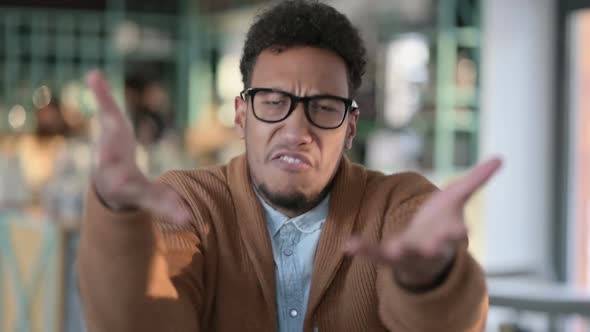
{"x":296,"y":127}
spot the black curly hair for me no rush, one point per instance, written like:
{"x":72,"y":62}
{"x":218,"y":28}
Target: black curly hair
{"x":305,"y":23}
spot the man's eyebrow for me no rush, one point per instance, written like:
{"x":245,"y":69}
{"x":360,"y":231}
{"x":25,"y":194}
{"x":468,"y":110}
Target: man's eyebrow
{"x":309,"y":94}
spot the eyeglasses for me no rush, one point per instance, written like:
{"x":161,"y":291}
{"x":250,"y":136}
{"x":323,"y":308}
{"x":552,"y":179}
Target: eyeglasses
{"x":323,"y":111}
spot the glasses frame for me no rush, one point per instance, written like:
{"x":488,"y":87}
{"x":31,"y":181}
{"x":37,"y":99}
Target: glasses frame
{"x":350,"y":104}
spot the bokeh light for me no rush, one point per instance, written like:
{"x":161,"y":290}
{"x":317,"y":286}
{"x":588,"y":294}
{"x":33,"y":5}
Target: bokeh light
{"x":42,"y":96}
{"x":17,"y":116}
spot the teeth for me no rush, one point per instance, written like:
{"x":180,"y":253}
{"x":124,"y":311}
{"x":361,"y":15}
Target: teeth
{"x":290,"y":160}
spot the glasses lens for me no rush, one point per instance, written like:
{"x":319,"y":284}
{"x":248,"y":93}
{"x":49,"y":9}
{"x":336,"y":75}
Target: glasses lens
{"x":327,"y":112}
{"x":271,"y":105}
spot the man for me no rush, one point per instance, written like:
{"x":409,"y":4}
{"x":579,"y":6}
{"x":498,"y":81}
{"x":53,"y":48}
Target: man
{"x":291,"y":236}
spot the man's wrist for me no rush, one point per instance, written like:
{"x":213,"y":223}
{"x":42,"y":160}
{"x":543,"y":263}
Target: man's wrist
{"x":418,"y":284}
{"x":108,"y":205}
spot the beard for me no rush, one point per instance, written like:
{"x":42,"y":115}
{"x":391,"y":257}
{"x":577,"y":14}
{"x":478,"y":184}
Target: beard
{"x":296,"y":202}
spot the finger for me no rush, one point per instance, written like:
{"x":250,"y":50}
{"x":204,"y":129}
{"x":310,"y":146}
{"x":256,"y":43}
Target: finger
{"x":465,"y":187}
{"x":115,"y":138}
{"x":162,"y":200}
{"x":102,"y":92}
{"x":110,"y":115}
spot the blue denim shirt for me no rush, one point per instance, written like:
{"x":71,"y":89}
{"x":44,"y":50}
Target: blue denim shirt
{"x":294,"y":243}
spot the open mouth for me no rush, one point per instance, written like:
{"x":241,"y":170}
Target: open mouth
{"x":291,"y":161}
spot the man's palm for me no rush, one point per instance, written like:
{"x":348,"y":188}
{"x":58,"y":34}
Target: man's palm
{"x":427,"y":246}
{"x":117,"y":178}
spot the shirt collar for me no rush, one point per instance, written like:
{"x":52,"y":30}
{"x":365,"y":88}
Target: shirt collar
{"x":308,"y":222}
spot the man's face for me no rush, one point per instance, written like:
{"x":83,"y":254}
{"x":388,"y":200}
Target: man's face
{"x":292,"y":162}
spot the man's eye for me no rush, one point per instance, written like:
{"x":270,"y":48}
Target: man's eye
{"x":274,"y":102}
{"x":328,"y":109}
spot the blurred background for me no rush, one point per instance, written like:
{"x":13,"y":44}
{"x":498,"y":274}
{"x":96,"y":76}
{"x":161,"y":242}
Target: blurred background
{"x":449,"y":83}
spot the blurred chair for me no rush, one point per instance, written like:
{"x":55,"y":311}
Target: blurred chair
{"x":31,"y":275}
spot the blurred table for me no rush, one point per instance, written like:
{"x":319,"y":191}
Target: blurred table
{"x":529,"y":295}
{"x":540,"y":296}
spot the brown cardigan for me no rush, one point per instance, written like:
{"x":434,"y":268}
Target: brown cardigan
{"x":217,"y":274}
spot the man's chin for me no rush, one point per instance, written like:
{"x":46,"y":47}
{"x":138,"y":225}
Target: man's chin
{"x":287,"y":198}
{"x":287,"y":192}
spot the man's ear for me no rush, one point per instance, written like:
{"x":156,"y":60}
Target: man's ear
{"x":240,"y":107}
{"x":351,"y":123}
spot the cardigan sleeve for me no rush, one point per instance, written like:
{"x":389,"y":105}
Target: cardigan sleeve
{"x":138,"y":272}
{"x":458,"y":304}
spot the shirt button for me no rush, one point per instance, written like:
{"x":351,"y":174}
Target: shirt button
{"x":287,"y":252}
{"x":293,"y":313}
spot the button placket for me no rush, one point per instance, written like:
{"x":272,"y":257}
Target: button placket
{"x":289,"y":237}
